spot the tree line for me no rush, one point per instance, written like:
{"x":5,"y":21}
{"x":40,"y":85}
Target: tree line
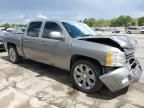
{"x":121,"y":21}
{"x":7,"y":25}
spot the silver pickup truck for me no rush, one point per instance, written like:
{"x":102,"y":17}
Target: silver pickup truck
{"x":93,"y":60}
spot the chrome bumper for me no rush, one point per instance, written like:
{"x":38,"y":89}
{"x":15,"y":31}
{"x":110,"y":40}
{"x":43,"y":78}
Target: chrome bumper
{"x":122,"y":77}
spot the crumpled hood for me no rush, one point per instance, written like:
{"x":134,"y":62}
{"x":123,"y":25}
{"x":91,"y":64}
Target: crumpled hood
{"x":123,"y":40}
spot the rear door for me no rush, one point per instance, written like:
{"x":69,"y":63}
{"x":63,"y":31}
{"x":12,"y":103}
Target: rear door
{"x":31,"y":40}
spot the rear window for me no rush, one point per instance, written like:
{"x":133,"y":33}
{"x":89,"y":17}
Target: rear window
{"x":34,"y":29}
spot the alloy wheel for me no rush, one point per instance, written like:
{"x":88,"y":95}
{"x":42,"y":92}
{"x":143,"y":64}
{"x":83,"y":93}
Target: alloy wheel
{"x":12,"y":54}
{"x":84,"y":76}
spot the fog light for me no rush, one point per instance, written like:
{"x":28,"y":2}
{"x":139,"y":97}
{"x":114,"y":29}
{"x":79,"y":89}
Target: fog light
{"x":124,"y":81}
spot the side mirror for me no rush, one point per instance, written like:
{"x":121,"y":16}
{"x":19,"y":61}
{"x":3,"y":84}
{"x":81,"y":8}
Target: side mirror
{"x":56,"y":35}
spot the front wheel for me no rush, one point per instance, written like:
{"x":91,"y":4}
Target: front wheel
{"x":85,"y":76}
{"x":13,"y":55}
{"x":119,"y":92}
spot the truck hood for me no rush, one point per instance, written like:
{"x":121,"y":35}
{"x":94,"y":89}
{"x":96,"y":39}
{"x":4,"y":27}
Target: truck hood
{"x":123,"y":41}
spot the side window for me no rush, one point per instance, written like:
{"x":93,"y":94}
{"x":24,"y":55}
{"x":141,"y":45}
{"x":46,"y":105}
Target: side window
{"x":132,"y":28}
{"x":34,"y":29}
{"x":50,"y":26}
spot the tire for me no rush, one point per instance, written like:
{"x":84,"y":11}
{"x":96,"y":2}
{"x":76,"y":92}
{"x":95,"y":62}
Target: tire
{"x":86,"y":81}
{"x":120,"y":92}
{"x":142,"y":32}
{"x":129,"y":32}
{"x":13,"y":55}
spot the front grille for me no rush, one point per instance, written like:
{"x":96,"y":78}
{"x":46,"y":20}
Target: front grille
{"x":130,"y":59}
{"x":129,"y":54}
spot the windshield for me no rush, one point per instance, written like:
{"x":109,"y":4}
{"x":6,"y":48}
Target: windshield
{"x":77,"y":29}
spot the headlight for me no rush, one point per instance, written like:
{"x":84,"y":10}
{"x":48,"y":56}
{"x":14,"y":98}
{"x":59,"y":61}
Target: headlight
{"x":115,"y":59}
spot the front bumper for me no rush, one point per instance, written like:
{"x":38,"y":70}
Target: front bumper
{"x":122,"y":77}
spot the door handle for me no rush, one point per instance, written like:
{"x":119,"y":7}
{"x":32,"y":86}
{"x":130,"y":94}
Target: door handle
{"x":26,"y":40}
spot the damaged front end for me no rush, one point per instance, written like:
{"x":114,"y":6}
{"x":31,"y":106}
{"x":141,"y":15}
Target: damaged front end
{"x":122,"y":77}
{"x":119,"y":77}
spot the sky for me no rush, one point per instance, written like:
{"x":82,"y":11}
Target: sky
{"x":22,"y":11}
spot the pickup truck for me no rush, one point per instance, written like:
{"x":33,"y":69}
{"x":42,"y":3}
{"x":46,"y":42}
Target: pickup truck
{"x":93,"y":60}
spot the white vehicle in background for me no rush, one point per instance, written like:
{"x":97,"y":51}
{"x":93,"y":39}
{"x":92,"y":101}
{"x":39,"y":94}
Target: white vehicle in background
{"x":14,"y":31}
{"x":142,"y":29}
{"x":133,"y":30}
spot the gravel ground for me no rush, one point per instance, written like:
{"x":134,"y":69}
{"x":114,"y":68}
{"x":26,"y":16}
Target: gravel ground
{"x":35,"y":85}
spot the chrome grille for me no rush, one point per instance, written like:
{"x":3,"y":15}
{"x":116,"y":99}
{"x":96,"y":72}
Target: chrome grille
{"x":130,"y":57}
{"x":129,"y":51}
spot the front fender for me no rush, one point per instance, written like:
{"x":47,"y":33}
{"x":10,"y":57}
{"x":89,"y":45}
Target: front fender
{"x":92,"y":50}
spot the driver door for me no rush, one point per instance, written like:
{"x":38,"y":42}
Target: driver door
{"x":54,"y":51}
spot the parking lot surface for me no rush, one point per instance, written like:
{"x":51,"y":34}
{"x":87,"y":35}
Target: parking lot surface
{"x":36,"y":85}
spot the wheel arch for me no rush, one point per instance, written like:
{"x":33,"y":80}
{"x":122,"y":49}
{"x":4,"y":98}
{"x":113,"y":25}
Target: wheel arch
{"x":75,"y":58}
{"x":10,"y":44}
{"x":18,"y":48}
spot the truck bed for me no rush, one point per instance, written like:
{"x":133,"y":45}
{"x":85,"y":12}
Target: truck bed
{"x":16,"y":39}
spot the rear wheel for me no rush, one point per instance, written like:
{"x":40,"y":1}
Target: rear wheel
{"x":142,"y":32}
{"x":129,"y":32}
{"x":85,"y":76}
{"x":13,"y":55}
